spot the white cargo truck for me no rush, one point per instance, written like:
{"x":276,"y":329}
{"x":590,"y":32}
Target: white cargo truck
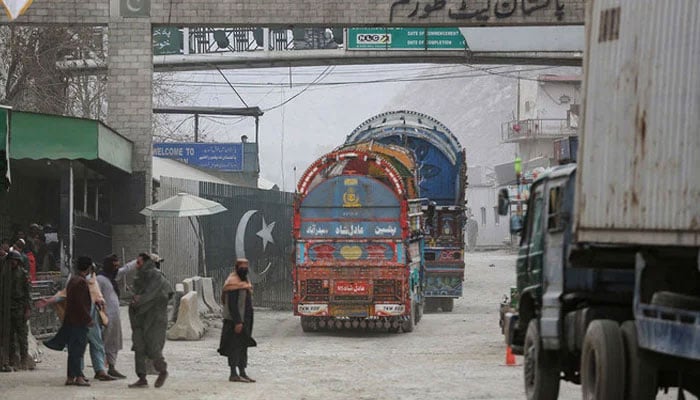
{"x":608,"y":287}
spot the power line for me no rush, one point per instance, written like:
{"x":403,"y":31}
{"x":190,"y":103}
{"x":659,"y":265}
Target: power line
{"x":321,"y":76}
{"x":232,"y":87}
{"x":430,"y":77}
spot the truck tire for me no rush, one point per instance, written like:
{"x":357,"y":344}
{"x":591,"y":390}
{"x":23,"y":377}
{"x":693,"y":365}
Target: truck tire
{"x":603,"y":362}
{"x":307,"y":324}
{"x":447,"y":304}
{"x":541,"y":370}
{"x":419,"y":311}
{"x":431,"y":304}
{"x":409,"y":324}
{"x":641,"y":381}
{"x":676,"y":300}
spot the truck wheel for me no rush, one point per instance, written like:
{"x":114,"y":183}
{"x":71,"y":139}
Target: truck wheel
{"x":419,"y":311}
{"x":676,"y":300}
{"x":603,"y":361}
{"x":408,"y":325}
{"x":431,"y":304}
{"x":447,"y":304}
{"x":641,"y":382}
{"x":307,"y":324}
{"x":541,"y":370}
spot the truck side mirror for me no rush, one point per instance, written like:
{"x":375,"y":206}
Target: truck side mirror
{"x":503,"y":201}
{"x":516,"y":224}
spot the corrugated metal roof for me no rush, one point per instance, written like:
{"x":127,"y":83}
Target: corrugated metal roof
{"x":175,"y":169}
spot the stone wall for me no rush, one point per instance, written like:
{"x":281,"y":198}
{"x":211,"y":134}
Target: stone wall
{"x":312,"y":12}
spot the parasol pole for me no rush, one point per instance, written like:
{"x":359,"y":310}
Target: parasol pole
{"x":200,"y":241}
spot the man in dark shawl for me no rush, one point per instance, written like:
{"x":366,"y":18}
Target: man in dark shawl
{"x":236,"y":334}
{"x":148,"y":314}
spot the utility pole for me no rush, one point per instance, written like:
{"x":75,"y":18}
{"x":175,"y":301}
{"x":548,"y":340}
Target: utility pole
{"x":196,"y":128}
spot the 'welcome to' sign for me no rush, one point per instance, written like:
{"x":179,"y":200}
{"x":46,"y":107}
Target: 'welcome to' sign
{"x":219,"y":156}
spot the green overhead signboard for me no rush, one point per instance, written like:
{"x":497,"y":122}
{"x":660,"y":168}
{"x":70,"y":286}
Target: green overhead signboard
{"x":406,"y":39}
{"x":167,"y":40}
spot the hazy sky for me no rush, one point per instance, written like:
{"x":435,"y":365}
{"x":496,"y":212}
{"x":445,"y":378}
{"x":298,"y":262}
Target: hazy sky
{"x":324,"y":104}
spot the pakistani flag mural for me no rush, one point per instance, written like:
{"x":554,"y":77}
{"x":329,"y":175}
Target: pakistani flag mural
{"x":257,"y":226}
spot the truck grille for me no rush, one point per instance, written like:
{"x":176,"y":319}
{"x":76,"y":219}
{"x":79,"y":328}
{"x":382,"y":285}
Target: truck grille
{"x":314,"y":290}
{"x":387,"y":290}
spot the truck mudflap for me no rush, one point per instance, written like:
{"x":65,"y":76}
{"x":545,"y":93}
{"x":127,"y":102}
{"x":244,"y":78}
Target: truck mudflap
{"x":662,"y":328}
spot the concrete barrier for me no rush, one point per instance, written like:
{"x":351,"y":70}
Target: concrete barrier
{"x":203,"y":307}
{"x":207,"y":291}
{"x":188,"y":285}
{"x":188,"y":326}
{"x":179,"y":292}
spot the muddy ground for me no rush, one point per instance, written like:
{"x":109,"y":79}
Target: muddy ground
{"x":458,"y":355}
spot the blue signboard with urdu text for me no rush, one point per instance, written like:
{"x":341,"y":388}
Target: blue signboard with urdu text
{"x":218,"y":156}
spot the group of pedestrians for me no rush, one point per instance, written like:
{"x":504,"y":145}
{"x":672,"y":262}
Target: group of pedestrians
{"x":90,"y":314}
{"x":89,"y":309}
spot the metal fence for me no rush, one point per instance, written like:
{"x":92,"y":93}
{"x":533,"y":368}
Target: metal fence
{"x":257,"y":226}
{"x":536,"y":128}
{"x":177,"y":241}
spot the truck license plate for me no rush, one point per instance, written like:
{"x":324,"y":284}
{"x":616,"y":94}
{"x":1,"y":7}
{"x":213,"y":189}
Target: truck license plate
{"x":349,"y":311}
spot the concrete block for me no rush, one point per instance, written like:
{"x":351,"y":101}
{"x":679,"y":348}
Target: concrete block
{"x":188,"y":326}
{"x":179,"y":293}
{"x":208,"y":295}
{"x":203,"y":307}
{"x":188,"y":285}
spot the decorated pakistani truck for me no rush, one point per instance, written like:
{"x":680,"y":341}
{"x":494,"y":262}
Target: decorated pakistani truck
{"x":358,"y":243}
{"x":442,"y":179}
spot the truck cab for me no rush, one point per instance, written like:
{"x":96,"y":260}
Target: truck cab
{"x":545,"y":238}
{"x":572,"y":312}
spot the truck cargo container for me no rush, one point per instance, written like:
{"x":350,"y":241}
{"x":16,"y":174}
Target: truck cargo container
{"x":608,"y":272}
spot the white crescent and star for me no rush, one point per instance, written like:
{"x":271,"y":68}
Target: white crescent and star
{"x":265,"y":234}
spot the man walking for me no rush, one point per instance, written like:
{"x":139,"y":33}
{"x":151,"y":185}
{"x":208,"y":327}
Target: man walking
{"x":108,"y":280}
{"x":148,"y":314}
{"x":97,"y":348}
{"x":77,"y":320}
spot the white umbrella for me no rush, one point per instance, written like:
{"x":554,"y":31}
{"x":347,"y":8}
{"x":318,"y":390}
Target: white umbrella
{"x":183,"y":205}
{"x":186,"y":205}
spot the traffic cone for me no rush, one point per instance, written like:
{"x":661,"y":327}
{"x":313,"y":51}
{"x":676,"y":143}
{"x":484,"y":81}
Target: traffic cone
{"x":510,"y":357}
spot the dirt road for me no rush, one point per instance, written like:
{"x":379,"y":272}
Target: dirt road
{"x":458,"y":355}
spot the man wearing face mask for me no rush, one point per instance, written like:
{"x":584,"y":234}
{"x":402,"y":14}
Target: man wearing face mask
{"x":236,"y":334}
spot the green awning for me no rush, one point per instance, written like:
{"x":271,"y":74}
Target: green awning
{"x":43,"y":136}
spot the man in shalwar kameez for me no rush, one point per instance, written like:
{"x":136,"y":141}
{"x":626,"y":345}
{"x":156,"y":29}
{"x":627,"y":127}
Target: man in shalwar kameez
{"x":148,"y":314}
{"x":236,"y":334}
